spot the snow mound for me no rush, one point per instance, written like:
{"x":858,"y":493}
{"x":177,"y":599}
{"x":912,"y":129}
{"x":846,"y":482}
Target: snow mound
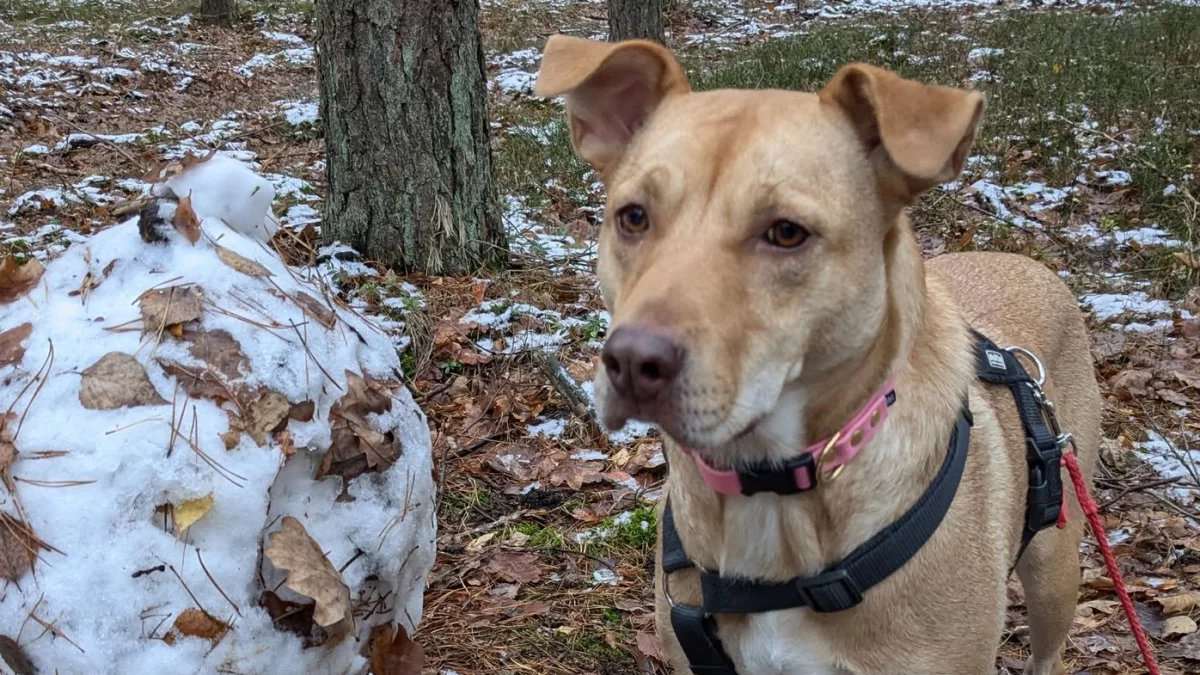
{"x":216,"y":464}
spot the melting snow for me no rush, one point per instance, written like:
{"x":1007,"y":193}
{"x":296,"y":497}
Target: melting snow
{"x":1107,"y":306}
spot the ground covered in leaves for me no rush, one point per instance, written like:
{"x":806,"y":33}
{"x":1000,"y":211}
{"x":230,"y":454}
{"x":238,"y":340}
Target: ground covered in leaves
{"x":1089,"y":161}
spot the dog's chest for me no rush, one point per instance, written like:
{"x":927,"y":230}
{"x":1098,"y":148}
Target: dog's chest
{"x":783,"y":643}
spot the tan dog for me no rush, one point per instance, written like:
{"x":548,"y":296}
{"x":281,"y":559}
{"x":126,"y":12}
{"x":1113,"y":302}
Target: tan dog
{"x":764,"y":281}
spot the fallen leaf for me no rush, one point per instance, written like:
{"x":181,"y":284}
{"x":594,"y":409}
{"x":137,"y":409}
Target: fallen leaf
{"x":1093,"y":613}
{"x":268,"y":413}
{"x":1175,"y":397}
{"x":1188,"y":259}
{"x":186,"y":220}
{"x":167,"y":307}
{"x":477,"y":544}
{"x":11,"y":350}
{"x":241,"y":263}
{"x":293,"y":617}
{"x":518,"y":568}
{"x":1178,"y":625}
{"x":303,"y":411}
{"x":192,"y":510}
{"x":17,"y":278}
{"x":314,"y":309}
{"x":15,"y":657}
{"x":394,"y":655}
{"x":1180,"y":604}
{"x":197,"y":623}
{"x":309,"y":572}
{"x":18,"y":547}
{"x":356,"y":446}
{"x":1128,"y":384}
{"x":117,"y":380}
{"x":287,"y":443}
{"x":1187,"y":648}
{"x":221,"y":376}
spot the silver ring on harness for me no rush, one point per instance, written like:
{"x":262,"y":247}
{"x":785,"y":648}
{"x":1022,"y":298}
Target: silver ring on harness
{"x":1040,"y":380}
{"x":667,"y":586}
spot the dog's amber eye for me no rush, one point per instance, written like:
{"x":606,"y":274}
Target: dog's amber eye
{"x":786,"y":234}
{"x":632,"y":219}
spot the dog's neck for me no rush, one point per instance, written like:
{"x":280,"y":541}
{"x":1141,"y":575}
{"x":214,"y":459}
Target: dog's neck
{"x":844,"y":390}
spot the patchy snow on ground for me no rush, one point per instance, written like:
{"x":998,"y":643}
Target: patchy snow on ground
{"x":299,"y":113}
{"x":199,"y":413}
{"x":1172,"y":461}
{"x":1108,"y":306}
{"x":299,"y":56}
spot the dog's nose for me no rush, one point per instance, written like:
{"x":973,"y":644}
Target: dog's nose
{"x":641,"y":362}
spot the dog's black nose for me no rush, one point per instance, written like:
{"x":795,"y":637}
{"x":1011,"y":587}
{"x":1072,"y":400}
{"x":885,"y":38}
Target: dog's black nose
{"x":641,"y":362}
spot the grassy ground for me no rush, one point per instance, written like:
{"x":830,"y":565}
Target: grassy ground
{"x":546,"y":541}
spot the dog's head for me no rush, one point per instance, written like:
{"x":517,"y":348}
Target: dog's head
{"x":743,"y":252}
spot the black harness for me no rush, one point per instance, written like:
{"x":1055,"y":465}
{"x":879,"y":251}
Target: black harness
{"x":843,"y":584}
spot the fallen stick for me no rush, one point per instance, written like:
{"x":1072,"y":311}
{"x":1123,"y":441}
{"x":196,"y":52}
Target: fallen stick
{"x":566,"y":386}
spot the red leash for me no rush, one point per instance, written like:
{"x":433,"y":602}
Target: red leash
{"x":1093,"y":515}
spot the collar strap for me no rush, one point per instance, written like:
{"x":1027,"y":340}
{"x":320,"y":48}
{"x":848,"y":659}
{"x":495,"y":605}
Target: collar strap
{"x":840,"y":587}
{"x":802,"y":473}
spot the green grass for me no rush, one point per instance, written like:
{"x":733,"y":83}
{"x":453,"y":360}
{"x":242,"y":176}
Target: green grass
{"x":541,"y":537}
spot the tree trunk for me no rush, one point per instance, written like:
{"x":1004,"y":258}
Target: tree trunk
{"x":219,"y":12}
{"x":408,"y":159}
{"x":628,"y":19}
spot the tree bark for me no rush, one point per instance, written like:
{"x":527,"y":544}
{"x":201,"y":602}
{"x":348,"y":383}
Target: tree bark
{"x":628,"y":19}
{"x":408,"y":159}
{"x":219,"y":12}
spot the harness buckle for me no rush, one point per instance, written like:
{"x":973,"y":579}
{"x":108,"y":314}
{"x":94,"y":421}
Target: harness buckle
{"x":832,"y":591}
{"x":780,"y":481}
{"x":1045,"y":499}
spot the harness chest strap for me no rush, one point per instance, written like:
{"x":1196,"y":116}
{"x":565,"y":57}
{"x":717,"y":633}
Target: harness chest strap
{"x":839,"y":587}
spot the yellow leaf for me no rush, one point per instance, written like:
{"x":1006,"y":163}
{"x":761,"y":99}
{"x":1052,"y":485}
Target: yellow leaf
{"x":187,"y":513}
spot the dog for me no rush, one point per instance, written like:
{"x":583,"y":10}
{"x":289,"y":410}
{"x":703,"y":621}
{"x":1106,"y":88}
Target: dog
{"x":764,"y":282}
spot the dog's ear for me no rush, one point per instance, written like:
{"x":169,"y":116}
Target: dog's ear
{"x":611,"y":90}
{"x":919,"y":133}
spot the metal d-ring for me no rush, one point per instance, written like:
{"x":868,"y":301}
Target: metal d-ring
{"x":1040,"y":380}
{"x":823,"y":457}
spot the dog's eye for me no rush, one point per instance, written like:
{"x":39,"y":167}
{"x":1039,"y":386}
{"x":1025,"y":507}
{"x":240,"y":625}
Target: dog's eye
{"x":632,"y":219}
{"x":786,"y":234}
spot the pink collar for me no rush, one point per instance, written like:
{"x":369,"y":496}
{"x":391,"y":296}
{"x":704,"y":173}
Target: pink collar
{"x":820,"y":461}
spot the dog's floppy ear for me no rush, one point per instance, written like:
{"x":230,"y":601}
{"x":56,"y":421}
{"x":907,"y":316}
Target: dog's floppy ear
{"x":611,"y":90}
{"x":924,"y":131}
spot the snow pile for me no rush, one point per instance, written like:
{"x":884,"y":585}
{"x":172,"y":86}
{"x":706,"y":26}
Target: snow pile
{"x":215,"y":464}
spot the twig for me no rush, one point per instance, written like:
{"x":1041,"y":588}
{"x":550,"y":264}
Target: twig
{"x":499,"y":522}
{"x":314,"y":358}
{"x":185,"y":586}
{"x":1138,"y":488}
{"x":41,"y":380}
{"x":424,"y":398}
{"x":216,"y":585}
{"x":565,"y":385}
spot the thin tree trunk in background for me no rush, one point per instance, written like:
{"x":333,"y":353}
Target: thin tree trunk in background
{"x":629,"y":19}
{"x":219,"y":12}
{"x":408,"y":160}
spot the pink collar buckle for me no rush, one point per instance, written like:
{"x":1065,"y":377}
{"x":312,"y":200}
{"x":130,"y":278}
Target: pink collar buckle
{"x":820,"y":462}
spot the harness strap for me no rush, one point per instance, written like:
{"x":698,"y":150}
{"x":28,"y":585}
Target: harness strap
{"x":1043,"y":447}
{"x":840,"y":587}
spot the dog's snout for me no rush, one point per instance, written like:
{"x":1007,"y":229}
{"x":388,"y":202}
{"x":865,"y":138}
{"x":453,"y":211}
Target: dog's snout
{"x":642,"y":362}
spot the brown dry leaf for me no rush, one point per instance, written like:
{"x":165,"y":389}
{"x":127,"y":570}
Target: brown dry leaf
{"x":309,"y":572}
{"x":11,"y":350}
{"x":186,"y":220}
{"x":517,"y":568}
{"x":397,"y":655}
{"x":1180,"y":604}
{"x":16,"y":278}
{"x":18,"y":548}
{"x":357,"y":447}
{"x":169,"y":307}
{"x":1178,"y":625}
{"x":117,"y":380}
{"x":1093,"y":613}
{"x":268,"y":413}
{"x":1129,"y":384}
{"x":241,"y":263}
{"x":293,"y":617}
{"x":15,"y":657}
{"x":302,"y":411}
{"x":314,"y":309}
{"x":1188,"y":259}
{"x":222,"y":377}
{"x":198,"y":623}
